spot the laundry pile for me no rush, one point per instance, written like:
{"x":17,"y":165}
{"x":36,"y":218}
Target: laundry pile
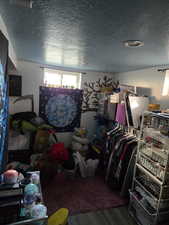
{"x":47,"y":153}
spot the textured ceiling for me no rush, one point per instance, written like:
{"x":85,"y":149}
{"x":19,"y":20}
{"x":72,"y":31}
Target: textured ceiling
{"x":88,"y":34}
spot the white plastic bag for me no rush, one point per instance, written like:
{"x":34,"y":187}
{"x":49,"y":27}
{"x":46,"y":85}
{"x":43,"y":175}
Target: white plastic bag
{"x":88,"y":168}
{"x":81,"y":162}
{"x":91,"y":166}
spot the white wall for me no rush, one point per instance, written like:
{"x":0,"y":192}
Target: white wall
{"x":152,"y":82}
{"x":32,"y":78}
{"x":12,"y":54}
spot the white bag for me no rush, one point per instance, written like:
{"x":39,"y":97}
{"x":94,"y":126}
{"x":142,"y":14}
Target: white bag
{"x":88,"y":168}
{"x":81,"y":162}
{"x":91,"y":167}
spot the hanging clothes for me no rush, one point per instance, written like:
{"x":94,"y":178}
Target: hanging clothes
{"x":121,"y":114}
{"x":129,"y":172}
{"x":121,"y":147}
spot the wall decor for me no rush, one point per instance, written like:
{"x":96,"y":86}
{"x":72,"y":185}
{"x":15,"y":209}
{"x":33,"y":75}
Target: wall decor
{"x":4,"y":101}
{"x":15,"y":85}
{"x":61,"y":107}
{"x":92,"y":90}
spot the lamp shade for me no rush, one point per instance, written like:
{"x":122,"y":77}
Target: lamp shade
{"x":165,"y":91}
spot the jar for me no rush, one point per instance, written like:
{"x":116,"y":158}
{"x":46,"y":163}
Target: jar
{"x":10,"y":177}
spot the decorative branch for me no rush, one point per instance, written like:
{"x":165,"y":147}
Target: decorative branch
{"x":91,"y":90}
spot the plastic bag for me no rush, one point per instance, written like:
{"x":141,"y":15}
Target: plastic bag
{"x":91,"y":167}
{"x":88,"y":168}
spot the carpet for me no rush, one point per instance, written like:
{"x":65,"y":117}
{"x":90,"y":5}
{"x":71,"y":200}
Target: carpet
{"x":80,"y":195}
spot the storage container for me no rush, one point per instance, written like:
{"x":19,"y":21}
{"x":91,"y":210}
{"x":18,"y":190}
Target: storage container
{"x":143,"y":215}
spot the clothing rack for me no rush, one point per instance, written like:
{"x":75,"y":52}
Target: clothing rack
{"x":119,"y":159}
{"x":127,"y":130}
{"x":120,"y":169}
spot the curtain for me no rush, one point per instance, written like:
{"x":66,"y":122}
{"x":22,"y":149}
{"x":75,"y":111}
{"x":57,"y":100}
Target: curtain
{"x":3,"y":100}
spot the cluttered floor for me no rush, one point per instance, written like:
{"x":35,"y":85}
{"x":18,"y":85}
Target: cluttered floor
{"x":84,"y":177}
{"x":89,"y":200}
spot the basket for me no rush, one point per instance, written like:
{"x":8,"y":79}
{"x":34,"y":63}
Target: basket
{"x":154,"y":168}
{"x":152,"y":200}
{"x":143,"y":215}
{"x":156,"y":156}
{"x":152,"y":186}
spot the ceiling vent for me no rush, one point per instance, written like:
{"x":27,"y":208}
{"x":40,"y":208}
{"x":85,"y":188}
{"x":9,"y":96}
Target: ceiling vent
{"x":22,"y":3}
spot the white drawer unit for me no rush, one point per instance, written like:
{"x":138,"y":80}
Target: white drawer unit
{"x":149,"y":196}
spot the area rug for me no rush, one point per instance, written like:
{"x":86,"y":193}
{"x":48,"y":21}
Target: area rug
{"x":80,"y":195}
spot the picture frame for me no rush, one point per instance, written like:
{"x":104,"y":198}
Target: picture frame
{"x":15,"y":85}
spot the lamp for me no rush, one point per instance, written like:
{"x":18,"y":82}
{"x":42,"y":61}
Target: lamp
{"x":165,"y":91}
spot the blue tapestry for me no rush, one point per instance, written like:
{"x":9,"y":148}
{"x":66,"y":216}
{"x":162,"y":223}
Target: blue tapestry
{"x":3,"y":101}
{"x":60,"y":107}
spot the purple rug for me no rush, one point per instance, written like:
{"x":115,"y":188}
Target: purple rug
{"x":80,"y":195}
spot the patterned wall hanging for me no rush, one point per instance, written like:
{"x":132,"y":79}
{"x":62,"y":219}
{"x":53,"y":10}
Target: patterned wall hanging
{"x":60,"y":107}
{"x":4,"y":100}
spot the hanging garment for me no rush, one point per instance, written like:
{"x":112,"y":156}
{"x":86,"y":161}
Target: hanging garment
{"x":121,"y":153}
{"x":121,"y":114}
{"x":129,"y":175}
{"x":128,"y":109}
{"x":124,"y":160}
{"x":111,"y":110}
{"x":113,"y":134}
{"x":119,"y":139}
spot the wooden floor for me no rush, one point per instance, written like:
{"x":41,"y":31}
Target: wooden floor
{"x":115,"y":216}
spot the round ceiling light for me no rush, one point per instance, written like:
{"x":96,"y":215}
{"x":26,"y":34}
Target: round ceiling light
{"x":133,"y":43}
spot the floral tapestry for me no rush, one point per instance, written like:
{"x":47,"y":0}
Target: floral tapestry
{"x":60,"y":107}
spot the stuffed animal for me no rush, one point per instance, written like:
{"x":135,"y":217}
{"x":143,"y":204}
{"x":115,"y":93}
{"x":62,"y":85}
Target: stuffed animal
{"x":80,"y":141}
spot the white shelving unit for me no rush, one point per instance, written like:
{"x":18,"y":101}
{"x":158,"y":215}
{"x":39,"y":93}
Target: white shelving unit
{"x":149,"y":195}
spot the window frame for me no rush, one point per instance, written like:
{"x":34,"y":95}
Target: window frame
{"x":62,"y":73}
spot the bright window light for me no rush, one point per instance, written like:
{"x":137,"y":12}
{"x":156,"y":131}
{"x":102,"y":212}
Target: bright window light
{"x":69,"y":80}
{"x":64,"y":79}
{"x":165,"y":91}
{"x":52,"y":79}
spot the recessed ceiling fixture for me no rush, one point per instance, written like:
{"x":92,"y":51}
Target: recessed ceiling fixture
{"x":22,"y":3}
{"x":133,"y":43}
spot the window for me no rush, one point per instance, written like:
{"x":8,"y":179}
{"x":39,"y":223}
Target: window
{"x":58,"y":78}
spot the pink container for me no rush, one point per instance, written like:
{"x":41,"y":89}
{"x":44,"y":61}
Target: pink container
{"x":10,"y":177}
